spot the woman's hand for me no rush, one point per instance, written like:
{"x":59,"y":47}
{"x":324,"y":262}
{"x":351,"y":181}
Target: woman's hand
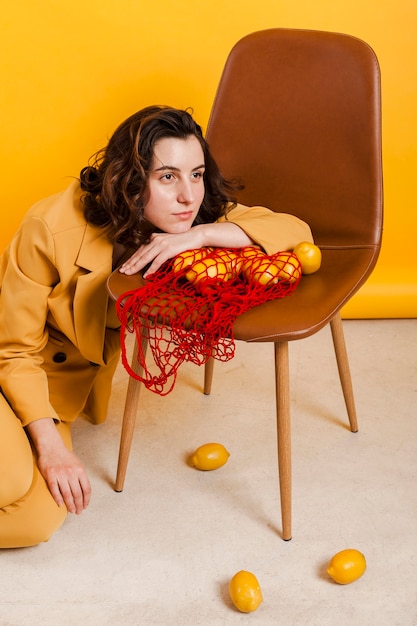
{"x":63,"y":471}
{"x":66,"y":479}
{"x":164,"y":246}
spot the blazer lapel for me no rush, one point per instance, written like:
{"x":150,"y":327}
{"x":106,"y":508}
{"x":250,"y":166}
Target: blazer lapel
{"x":91,"y":297}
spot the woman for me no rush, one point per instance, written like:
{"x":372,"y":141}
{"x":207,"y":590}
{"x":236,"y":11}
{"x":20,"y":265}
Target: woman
{"x":153,"y":192}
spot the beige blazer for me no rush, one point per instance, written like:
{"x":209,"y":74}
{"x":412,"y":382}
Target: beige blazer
{"x":59,"y":338}
{"x":58,"y":349}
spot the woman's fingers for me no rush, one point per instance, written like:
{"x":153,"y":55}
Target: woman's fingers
{"x":75,"y":493}
{"x":67,"y":482}
{"x":137,"y":261}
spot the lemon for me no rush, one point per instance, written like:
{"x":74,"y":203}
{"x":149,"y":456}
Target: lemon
{"x":289,"y":267}
{"x":245,"y":591}
{"x":250,"y":251}
{"x":210,"y":456}
{"x":231,"y":259}
{"x":208,"y":267}
{"x":347,"y":566}
{"x":185,"y":259}
{"x":250,"y":258}
{"x":309,"y":256}
{"x":264,"y":272}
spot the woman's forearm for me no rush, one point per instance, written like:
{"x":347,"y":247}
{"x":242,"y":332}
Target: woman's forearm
{"x":222,"y":235}
{"x":164,"y":246}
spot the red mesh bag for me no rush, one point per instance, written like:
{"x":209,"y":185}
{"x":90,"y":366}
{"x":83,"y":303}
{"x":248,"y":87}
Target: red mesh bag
{"x":187,"y":308}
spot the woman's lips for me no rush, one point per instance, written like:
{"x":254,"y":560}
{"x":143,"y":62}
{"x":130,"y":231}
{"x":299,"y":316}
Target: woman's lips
{"x":184,"y":216}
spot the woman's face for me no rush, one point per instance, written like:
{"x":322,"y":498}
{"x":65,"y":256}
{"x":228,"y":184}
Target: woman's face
{"x":176,"y":184}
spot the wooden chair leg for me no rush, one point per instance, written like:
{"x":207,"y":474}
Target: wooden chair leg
{"x":208,"y":375}
{"x":344,"y":371}
{"x":282,"y":387}
{"x":129,"y":417}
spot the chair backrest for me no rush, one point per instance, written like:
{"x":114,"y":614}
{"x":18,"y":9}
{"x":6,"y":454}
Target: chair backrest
{"x":297,"y":118}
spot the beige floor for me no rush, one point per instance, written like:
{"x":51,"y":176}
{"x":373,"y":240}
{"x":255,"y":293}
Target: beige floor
{"x":162,"y":552}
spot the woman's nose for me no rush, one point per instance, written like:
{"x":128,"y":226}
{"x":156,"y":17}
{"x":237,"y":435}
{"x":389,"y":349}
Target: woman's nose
{"x":186,"y":192}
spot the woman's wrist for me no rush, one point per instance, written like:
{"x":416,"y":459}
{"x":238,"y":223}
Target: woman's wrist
{"x":43,"y":433}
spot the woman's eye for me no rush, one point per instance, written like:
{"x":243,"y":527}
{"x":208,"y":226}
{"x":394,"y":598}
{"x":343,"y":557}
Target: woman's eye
{"x":167,"y":177}
{"x":197,"y":175}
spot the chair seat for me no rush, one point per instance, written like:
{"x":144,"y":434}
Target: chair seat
{"x":308,"y":309}
{"x":315,"y":301}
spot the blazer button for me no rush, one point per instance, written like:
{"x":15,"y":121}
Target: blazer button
{"x":59,"y":357}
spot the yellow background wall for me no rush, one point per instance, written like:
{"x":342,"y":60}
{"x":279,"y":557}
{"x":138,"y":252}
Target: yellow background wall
{"x":72,"y":70}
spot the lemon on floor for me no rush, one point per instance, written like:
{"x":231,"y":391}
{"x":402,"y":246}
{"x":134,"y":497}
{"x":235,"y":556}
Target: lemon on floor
{"x":209,"y":456}
{"x":347,"y":566}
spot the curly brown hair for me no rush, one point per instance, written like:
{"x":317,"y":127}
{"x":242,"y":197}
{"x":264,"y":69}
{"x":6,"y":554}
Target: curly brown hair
{"x":116,"y":182}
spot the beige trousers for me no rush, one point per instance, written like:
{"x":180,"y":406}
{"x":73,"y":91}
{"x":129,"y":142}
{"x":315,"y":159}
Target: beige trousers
{"x":28,"y":513}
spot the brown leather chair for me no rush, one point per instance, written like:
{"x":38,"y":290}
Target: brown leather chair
{"x":297,"y":118}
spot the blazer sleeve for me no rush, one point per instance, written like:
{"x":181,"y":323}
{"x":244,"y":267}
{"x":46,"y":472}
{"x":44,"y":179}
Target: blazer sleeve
{"x":28,"y":275}
{"x":272,"y":231}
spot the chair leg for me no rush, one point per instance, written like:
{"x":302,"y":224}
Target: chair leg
{"x":129,"y":417}
{"x":344,"y":371}
{"x":208,"y":375}
{"x":282,"y":387}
